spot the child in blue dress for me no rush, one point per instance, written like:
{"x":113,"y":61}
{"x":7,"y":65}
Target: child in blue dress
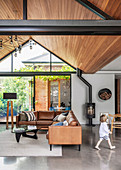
{"x":104,"y":133}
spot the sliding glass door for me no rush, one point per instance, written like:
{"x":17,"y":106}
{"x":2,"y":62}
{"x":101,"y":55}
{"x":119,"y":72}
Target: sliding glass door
{"x":23,"y":86}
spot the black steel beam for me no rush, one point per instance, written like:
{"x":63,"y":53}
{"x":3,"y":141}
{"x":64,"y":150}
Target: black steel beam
{"x":60,"y":27}
{"x":79,"y":74}
{"x":24,"y":9}
{"x":35,"y":73}
{"x":95,"y":9}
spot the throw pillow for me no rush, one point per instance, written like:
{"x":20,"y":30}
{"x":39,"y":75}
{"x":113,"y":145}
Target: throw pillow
{"x":30,"y":116}
{"x":23,"y":117}
{"x":61,"y":118}
{"x":65,"y":113}
{"x":56,"y":118}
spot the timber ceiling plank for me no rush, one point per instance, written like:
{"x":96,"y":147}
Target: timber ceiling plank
{"x":11,"y":9}
{"x":111,"y":7}
{"x":58,"y":9}
{"x":108,"y":56}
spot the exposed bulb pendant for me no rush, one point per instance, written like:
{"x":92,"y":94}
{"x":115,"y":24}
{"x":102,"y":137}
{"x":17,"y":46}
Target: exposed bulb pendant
{"x":15,"y":38}
{"x":30,"y":41}
{"x":11,"y":40}
{"x":1,"y":46}
{"x":20,"y":48}
{"x":16,"y":49}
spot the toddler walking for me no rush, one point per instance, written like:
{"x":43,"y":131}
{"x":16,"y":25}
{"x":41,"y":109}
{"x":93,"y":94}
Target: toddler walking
{"x":104,"y":132}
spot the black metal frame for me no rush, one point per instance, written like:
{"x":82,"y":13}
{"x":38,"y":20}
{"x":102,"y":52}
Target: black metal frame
{"x":95,"y":9}
{"x":24,"y":9}
{"x":36,"y":73}
{"x":60,"y":27}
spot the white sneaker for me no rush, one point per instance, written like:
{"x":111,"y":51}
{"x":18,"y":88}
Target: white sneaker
{"x":96,"y":147}
{"x":112,"y":147}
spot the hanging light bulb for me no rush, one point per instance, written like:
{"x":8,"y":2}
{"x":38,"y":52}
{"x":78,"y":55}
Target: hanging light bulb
{"x":11,"y":40}
{"x":20,"y":48}
{"x":30,"y":42}
{"x":15,"y":39}
{"x":16,"y":49}
{"x":1,"y":45}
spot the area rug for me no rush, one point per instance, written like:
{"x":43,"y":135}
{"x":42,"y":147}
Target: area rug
{"x":26,"y":146}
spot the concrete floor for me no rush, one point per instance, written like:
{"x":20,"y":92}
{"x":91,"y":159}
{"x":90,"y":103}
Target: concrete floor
{"x":87,"y":159}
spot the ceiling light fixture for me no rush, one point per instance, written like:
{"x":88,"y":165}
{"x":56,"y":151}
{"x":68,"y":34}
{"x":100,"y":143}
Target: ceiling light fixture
{"x":16,"y":49}
{"x":1,"y":46}
{"x":11,"y":40}
{"x":30,"y":43}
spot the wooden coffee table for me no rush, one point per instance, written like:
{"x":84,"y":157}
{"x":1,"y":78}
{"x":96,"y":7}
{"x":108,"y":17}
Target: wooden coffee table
{"x":23,"y":131}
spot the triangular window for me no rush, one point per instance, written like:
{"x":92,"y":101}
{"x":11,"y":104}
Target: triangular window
{"x":33,"y":58}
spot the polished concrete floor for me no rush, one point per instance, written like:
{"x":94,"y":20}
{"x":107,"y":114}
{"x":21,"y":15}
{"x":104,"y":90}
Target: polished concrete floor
{"x":87,"y":159}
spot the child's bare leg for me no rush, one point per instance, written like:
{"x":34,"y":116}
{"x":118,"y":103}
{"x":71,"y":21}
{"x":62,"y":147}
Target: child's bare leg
{"x":98,"y":143}
{"x":110,"y":145}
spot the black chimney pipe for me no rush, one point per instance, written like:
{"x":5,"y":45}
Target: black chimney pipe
{"x":79,"y":74}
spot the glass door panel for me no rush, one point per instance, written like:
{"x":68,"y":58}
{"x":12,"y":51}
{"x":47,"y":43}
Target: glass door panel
{"x":24,"y":89}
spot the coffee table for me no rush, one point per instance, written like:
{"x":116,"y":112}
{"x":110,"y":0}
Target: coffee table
{"x":23,"y":131}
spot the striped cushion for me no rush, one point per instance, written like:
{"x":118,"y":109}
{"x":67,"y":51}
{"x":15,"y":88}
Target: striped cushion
{"x":30,"y":116}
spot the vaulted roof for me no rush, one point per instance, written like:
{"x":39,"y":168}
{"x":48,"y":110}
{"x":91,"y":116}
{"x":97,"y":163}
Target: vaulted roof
{"x":89,"y":53}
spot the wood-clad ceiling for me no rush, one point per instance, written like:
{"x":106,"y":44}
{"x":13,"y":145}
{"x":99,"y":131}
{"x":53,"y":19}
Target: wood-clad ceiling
{"x":89,"y":53}
{"x":111,"y":7}
{"x":58,"y":9}
{"x":11,"y":9}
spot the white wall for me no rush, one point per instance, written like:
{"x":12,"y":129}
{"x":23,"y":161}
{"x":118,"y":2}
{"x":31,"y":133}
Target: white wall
{"x":80,"y":95}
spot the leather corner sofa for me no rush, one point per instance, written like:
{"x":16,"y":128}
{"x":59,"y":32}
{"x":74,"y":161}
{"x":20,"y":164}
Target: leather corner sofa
{"x":66,"y":135}
{"x":43,"y":119}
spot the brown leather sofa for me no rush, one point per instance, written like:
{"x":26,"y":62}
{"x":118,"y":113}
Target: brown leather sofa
{"x":43,"y":119}
{"x":66,"y":135}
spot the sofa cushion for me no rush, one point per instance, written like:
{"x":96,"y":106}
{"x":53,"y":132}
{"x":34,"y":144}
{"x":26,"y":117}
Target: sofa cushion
{"x":46,"y":115}
{"x":27,"y":123}
{"x":44,"y":122}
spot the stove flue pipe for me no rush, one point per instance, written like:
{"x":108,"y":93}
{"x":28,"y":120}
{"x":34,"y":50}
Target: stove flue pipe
{"x":79,"y":74}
